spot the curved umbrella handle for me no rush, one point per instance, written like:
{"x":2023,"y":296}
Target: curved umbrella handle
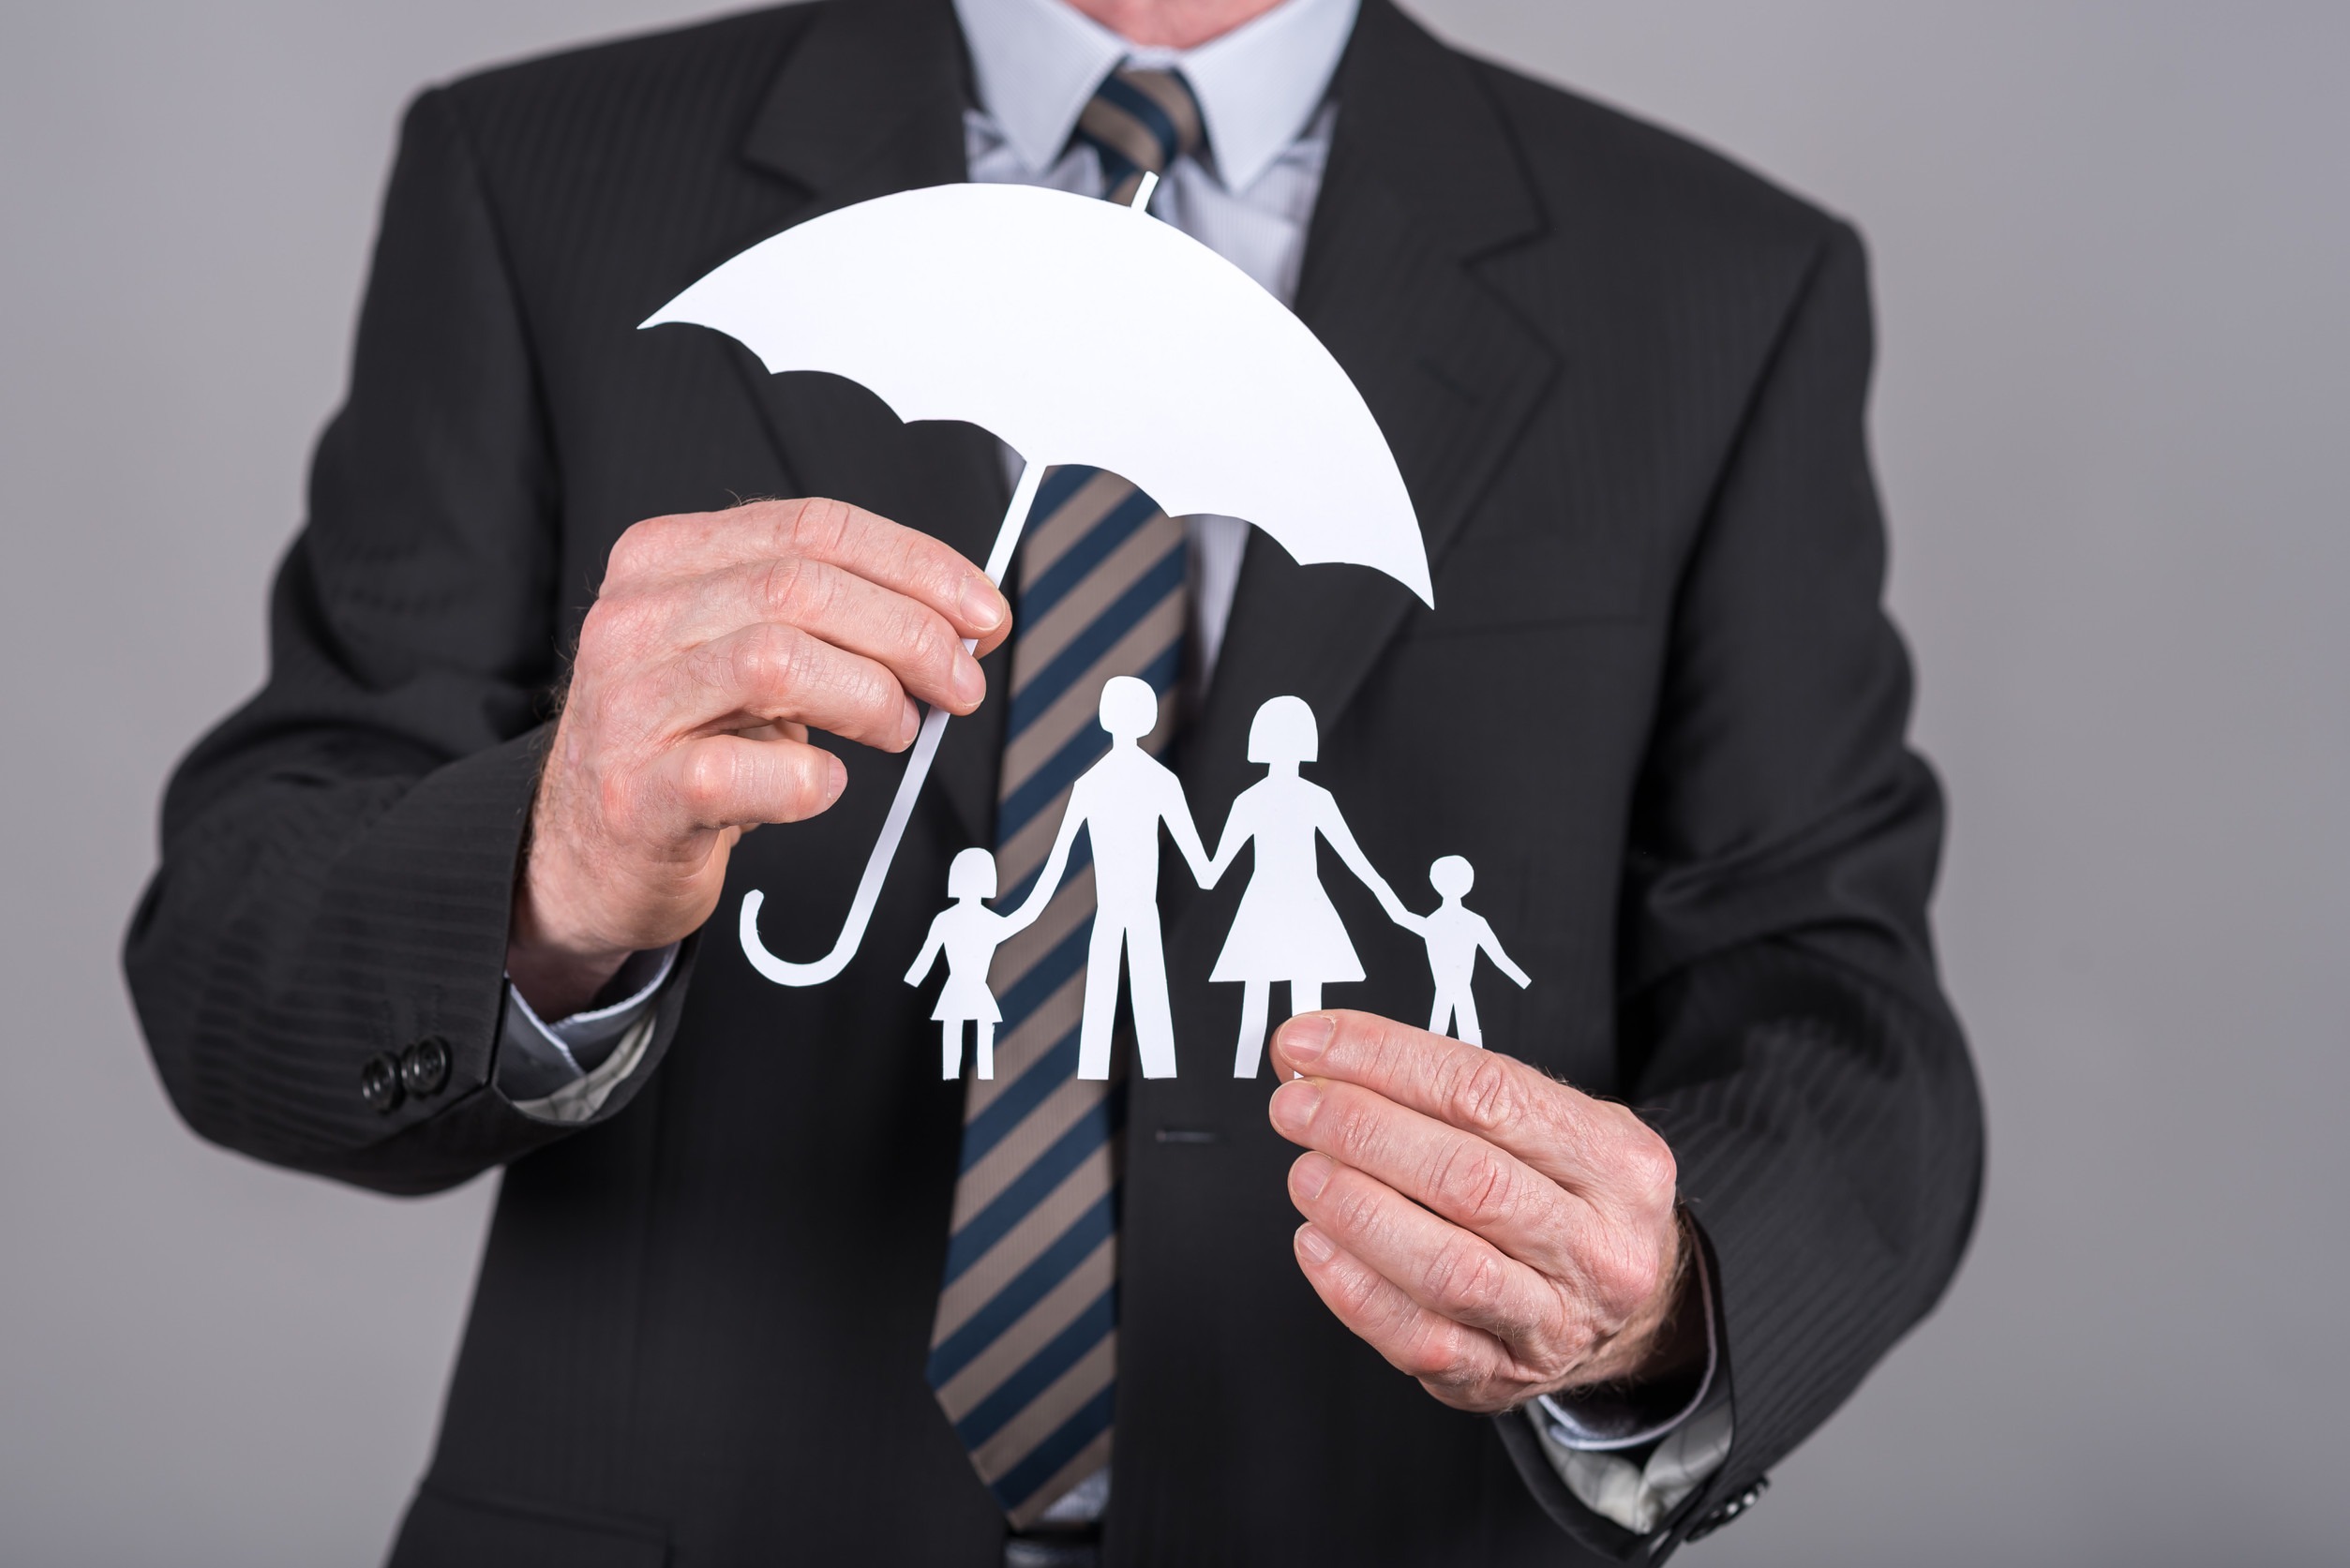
{"x":885,"y":848}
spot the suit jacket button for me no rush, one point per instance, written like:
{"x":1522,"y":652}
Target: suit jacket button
{"x":1729,"y":1510}
{"x":424,"y":1067}
{"x":380,"y":1083}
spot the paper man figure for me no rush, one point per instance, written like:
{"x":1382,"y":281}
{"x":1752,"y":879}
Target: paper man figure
{"x":969,"y":933}
{"x":1287,"y":929}
{"x":1455,"y":934}
{"x":1120,"y":801}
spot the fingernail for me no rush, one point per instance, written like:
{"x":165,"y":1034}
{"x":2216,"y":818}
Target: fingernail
{"x":1304,"y":1039}
{"x":1314,"y":1245}
{"x":837,"y":781}
{"x":1293,"y":1105}
{"x":982,"y":606}
{"x":970,"y":682}
{"x":1310,"y":1175}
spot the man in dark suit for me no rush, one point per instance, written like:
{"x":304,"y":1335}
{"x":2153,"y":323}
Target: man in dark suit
{"x":429,"y":903}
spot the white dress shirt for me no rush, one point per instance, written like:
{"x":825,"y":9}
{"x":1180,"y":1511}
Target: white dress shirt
{"x":1264,"y":91}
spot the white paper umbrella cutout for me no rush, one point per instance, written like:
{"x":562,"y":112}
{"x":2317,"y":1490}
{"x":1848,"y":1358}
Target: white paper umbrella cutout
{"x":1076,"y":331}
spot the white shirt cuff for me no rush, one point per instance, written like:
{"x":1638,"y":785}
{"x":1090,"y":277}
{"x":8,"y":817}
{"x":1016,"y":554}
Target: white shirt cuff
{"x":1584,"y":1436}
{"x":1643,"y":1497}
{"x":564,"y":1070}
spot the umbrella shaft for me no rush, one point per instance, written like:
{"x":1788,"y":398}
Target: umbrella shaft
{"x":1024,"y":495}
{"x":885,"y":849}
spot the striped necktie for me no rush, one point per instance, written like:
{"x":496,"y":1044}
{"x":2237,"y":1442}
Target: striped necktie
{"x":1023,"y":1354}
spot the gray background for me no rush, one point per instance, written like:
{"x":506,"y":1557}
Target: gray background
{"x":2111,"y":242}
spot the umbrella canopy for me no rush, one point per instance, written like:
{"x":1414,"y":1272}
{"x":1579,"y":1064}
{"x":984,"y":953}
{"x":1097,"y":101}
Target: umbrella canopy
{"x":1081,"y":331}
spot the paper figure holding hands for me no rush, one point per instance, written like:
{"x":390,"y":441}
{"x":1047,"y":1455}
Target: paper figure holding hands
{"x":1120,"y":801}
{"x":1455,"y":935}
{"x":968,"y":932}
{"x":1287,"y":929}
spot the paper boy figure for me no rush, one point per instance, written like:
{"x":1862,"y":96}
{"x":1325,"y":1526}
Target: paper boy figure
{"x":970,"y":932}
{"x":1455,"y":934}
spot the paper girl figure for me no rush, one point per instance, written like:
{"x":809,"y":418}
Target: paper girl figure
{"x":1287,"y":929}
{"x":969,"y":933}
{"x":1455,"y":935}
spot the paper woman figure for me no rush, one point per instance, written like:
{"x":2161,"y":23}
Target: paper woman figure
{"x":969,"y":933}
{"x":1287,"y":929}
{"x":1455,"y":935}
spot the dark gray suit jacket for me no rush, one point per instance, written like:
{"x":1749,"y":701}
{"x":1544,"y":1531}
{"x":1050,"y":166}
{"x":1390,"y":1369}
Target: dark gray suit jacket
{"x":1660,"y":709}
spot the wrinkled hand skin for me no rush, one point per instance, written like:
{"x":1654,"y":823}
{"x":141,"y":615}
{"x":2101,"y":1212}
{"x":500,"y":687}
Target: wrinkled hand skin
{"x":1488,"y":1229}
{"x":717,"y":641}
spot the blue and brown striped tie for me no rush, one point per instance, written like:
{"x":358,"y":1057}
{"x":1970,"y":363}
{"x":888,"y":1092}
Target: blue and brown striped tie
{"x":1023,"y":1354}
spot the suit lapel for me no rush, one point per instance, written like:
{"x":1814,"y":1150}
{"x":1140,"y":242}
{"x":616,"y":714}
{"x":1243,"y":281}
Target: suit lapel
{"x":1423,"y":180}
{"x":871,"y":103}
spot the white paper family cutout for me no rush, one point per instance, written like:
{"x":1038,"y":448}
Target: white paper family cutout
{"x":1002,"y":305}
{"x":1286,"y":930}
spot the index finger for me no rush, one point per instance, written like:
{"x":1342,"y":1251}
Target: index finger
{"x":1594,"y":1148}
{"x":903,"y":559}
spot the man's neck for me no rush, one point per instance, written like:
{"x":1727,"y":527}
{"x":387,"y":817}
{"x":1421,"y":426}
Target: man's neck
{"x":1172,"y":24}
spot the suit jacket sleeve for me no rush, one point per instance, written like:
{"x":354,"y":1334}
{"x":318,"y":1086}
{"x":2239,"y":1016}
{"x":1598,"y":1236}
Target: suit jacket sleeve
{"x":339,"y":857}
{"x":1783,"y":1023}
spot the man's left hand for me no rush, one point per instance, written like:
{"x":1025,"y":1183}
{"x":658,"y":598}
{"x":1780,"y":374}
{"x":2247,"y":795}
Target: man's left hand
{"x":1488,"y":1229}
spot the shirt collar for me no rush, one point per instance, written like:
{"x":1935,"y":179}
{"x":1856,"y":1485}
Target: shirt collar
{"x":1038,"y":61}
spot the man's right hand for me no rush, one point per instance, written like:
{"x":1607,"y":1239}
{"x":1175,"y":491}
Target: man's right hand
{"x":718,"y":639}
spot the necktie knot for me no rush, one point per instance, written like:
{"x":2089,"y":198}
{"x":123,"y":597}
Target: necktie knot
{"x":1140,"y":122}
